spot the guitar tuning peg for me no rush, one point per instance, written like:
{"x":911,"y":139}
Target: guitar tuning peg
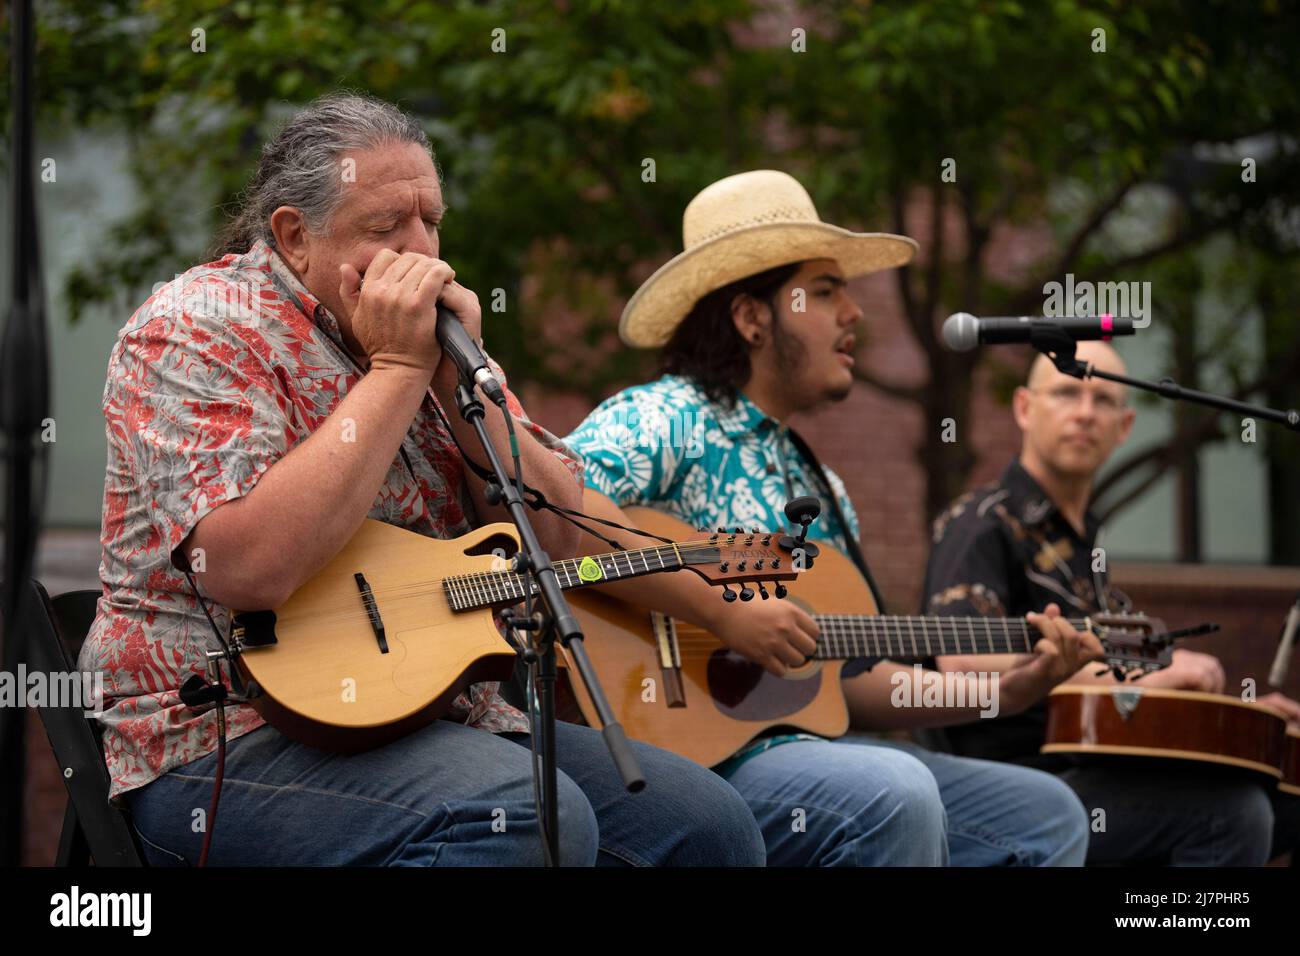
{"x":747,"y":593}
{"x":781,"y":591}
{"x":728,"y":595}
{"x":762,"y":591}
{"x":1101,"y":673}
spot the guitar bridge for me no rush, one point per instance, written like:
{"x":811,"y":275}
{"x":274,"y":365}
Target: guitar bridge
{"x":670,"y":661}
{"x":372,"y":611}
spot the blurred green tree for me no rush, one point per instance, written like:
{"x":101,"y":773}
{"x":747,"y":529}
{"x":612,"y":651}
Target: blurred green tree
{"x":1120,"y":127}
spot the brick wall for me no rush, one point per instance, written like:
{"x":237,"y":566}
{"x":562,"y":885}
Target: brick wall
{"x":44,"y":798}
{"x":1248,"y":603}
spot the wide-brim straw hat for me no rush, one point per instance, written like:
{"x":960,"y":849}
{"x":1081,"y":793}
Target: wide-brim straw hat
{"x":741,"y":226}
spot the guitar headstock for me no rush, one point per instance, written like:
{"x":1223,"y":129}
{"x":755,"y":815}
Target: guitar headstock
{"x":1138,"y":644}
{"x":740,"y":557}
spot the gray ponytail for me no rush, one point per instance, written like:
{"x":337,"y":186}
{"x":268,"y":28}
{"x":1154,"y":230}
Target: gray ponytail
{"x":300,"y":166}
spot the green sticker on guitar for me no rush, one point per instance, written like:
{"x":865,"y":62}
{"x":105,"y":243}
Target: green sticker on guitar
{"x":589,"y":570}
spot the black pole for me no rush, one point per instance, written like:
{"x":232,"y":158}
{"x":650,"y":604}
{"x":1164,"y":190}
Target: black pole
{"x":560,"y":624}
{"x":546,"y":675}
{"x":24,"y":404}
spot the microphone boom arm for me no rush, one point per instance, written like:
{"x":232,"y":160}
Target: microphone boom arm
{"x":1059,"y":347}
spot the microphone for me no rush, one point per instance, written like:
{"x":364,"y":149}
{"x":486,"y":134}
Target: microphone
{"x":1282,"y":662}
{"x":470,"y":361}
{"x":963,"y":331}
{"x":464,"y":351}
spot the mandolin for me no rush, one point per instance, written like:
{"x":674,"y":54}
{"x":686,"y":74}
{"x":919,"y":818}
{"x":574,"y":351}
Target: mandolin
{"x":1176,"y":724}
{"x":677,"y":686}
{"x":397,"y":624}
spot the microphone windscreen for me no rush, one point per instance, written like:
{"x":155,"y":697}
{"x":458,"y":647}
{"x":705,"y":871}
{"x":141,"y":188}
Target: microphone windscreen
{"x":961,"y":332}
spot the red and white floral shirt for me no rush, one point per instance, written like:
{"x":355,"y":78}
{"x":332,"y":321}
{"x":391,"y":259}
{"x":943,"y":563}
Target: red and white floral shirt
{"x":214,"y":379}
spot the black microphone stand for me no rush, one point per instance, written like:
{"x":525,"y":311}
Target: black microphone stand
{"x":24,"y":407}
{"x":1059,"y":346}
{"x":556,"y":622}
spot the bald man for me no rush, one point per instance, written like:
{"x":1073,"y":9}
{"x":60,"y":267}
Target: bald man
{"x":1028,"y":541}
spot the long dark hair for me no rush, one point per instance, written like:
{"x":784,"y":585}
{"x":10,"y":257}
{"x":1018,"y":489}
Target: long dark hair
{"x":707,"y":348}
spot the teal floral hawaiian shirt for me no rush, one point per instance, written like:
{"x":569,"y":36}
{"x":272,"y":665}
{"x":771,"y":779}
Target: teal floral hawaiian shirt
{"x":666,"y":444}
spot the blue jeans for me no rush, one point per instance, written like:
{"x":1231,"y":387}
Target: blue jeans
{"x":1173,"y":812}
{"x":446,"y":795}
{"x":859,"y":801}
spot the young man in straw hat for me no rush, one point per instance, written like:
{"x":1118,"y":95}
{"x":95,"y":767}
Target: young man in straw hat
{"x":741,"y":359}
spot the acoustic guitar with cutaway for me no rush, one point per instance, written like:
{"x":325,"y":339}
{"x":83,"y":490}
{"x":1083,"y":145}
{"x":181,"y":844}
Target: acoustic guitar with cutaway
{"x":383,"y":638}
{"x":679,"y":687}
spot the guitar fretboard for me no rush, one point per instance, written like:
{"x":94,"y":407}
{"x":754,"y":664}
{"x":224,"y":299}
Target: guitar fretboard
{"x":846,"y":636}
{"x":469,"y":591}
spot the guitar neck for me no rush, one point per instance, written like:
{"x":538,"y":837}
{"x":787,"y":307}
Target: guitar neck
{"x":848,"y":636}
{"x":466,"y":592}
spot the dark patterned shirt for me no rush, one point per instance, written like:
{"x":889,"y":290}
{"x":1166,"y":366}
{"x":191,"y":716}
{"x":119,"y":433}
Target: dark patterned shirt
{"x":1002,"y":551}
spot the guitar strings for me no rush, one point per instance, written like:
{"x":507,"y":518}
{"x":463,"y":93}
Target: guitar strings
{"x":887,"y":628}
{"x":394,"y":595}
{"x":695,"y":643}
{"x":488,"y":577}
{"x":483,"y":582}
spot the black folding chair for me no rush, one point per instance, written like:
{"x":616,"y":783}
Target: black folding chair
{"x":92,"y":827}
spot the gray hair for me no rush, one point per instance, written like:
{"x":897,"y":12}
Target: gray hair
{"x":300,"y":166}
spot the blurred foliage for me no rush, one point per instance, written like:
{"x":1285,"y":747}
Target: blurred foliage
{"x":1132,"y":157}
{"x":542,"y":146}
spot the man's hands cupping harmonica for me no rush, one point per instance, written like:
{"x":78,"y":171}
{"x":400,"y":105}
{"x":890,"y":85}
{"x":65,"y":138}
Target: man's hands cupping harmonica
{"x":394,"y":314}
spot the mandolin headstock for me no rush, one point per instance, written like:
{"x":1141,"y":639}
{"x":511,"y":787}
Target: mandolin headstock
{"x":740,"y":557}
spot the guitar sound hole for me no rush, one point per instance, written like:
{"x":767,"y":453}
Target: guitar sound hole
{"x":744,"y":691}
{"x":501,"y":542}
